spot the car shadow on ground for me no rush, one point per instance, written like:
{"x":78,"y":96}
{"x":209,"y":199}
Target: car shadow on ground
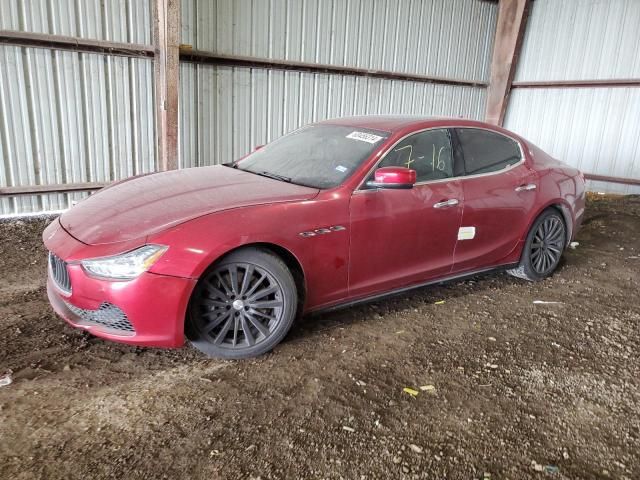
{"x":311,"y":324}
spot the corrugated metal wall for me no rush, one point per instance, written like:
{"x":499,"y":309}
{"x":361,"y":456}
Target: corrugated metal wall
{"x":81,"y":117}
{"x":595,"y":129}
{"x":448,"y":38}
{"x":73,"y":117}
{"x":581,"y":40}
{"x":226,"y":111}
{"x":127,"y":21}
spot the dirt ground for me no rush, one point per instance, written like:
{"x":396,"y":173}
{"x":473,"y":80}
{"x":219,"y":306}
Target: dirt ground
{"x":520,"y":390}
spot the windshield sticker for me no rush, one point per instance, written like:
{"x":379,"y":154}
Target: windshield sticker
{"x":364,"y":137}
{"x":341,"y":169}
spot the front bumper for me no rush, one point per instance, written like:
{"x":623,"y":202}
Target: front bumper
{"x":148,"y":310}
{"x":154,"y":307}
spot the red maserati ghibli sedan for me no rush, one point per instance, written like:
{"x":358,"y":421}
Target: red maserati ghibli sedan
{"x":334,"y":213}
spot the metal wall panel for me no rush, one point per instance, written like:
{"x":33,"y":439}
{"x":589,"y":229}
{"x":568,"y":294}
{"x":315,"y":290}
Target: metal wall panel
{"x":594,"y":129}
{"x":127,"y":21}
{"x":449,"y":38}
{"x":581,"y":40}
{"x":227,"y":111}
{"x":72,"y":117}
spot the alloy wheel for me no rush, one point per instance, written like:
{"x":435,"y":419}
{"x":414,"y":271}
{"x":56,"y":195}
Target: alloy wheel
{"x":239,"y":306}
{"x":547,"y":245}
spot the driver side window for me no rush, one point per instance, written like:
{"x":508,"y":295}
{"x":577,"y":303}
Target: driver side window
{"x":428,"y":153}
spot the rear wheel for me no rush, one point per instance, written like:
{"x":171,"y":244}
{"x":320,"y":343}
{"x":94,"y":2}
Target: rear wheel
{"x":544,"y":246}
{"x":242,"y":307}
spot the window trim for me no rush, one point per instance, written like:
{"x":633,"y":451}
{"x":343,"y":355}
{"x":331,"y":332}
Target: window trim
{"x":391,"y":147}
{"x":502,"y":170}
{"x":454,"y":144}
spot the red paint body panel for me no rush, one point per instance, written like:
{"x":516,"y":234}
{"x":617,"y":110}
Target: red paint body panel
{"x":324,"y":258}
{"x":392,"y":239}
{"x":398,"y":238}
{"x":152,"y":203}
{"x":395,"y":176}
{"x":499,"y":215}
{"x":154,"y":304}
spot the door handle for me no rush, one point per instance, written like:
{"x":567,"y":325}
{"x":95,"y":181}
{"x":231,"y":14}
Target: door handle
{"x":447,"y":203}
{"x":526,"y":188}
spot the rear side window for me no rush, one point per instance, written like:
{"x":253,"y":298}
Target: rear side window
{"x":486,"y":151}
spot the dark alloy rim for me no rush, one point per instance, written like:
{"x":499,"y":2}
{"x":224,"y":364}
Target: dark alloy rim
{"x":547,"y":245}
{"x":239,"y":306}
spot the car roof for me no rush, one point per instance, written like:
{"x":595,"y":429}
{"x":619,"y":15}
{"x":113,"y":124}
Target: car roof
{"x":395,"y":123}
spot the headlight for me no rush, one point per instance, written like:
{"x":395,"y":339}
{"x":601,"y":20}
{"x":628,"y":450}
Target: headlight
{"x":125,"y":266}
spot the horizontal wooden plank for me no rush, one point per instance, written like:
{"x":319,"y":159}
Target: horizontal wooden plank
{"x":605,"y":178}
{"x":88,"y":186}
{"x":198,"y":56}
{"x":608,"y":83}
{"x":60,"y":42}
{"x":53,"y":188}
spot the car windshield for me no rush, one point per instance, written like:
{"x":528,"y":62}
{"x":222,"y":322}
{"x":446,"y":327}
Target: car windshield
{"x":319,"y":156}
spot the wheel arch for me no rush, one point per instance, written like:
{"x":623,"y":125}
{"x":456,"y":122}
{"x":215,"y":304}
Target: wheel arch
{"x":563,"y":209}
{"x":566,"y":216}
{"x":524,"y":270}
{"x":289,"y":258}
{"x":565,"y":213}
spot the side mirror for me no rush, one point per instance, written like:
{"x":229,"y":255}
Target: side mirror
{"x":393,"y":177}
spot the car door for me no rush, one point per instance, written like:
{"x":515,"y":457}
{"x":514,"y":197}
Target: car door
{"x":499,"y":192}
{"x":403,"y":237}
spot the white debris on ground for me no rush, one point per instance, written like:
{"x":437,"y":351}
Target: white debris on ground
{"x":5,"y":380}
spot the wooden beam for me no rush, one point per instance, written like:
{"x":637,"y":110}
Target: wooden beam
{"x":605,"y":178}
{"x":52,"y":188}
{"x":60,"y":42}
{"x":89,"y":186}
{"x":198,"y":56}
{"x":604,"y":83}
{"x":167,"y":30}
{"x":512,"y":19}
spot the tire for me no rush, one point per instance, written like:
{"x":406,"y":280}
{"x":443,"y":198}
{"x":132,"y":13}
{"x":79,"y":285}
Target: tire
{"x":543,"y":249}
{"x":243,"y":306}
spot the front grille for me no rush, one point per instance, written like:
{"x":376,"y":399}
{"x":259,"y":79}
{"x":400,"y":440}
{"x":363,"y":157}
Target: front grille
{"x":107,"y":315}
{"x":59,"y":272}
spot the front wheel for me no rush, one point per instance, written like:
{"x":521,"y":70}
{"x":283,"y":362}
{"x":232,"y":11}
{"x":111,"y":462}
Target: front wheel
{"x":544,"y":246}
{"x":243,"y":306}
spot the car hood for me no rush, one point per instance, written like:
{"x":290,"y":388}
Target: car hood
{"x":139,"y":207}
